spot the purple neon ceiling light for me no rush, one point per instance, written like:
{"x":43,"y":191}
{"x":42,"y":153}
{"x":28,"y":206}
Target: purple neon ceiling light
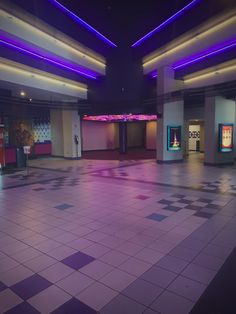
{"x":82,"y":22}
{"x":203,"y":55}
{"x":166,"y":22}
{"x":19,"y":46}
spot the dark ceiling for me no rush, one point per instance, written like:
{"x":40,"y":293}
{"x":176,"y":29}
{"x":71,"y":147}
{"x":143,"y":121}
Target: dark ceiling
{"x":123,"y":22}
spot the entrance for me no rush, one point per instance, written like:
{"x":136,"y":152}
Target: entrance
{"x":196,"y":136}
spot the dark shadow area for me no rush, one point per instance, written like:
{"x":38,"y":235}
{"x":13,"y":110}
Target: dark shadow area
{"x":132,"y":154}
{"x":219,"y":297}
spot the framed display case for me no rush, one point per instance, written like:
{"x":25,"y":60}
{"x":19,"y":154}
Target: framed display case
{"x":226,"y":137}
{"x":174,"y":138}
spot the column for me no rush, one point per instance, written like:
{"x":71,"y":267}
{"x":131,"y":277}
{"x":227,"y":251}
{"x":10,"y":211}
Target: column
{"x":65,"y":133}
{"x":170,"y":124}
{"x":123,"y":137}
{"x":219,"y":112}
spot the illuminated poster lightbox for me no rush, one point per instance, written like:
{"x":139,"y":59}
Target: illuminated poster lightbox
{"x":174,"y":138}
{"x":225,"y":137}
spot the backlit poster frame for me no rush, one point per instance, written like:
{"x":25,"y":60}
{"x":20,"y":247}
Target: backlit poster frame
{"x":174,"y":138}
{"x":226,"y":131}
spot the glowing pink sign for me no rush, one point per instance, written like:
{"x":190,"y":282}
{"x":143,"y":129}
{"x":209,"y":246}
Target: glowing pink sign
{"x":121,"y":117}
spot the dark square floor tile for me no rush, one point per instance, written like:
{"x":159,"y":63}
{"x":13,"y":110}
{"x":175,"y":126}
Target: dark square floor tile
{"x":204,"y":200}
{"x":63,"y":206}
{"x":142,"y":197}
{"x":2,"y":286}
{"x":203,"y":215}
{"x":77,"y":260}
{"x":183,"y":201}
{"x":172,"y":208}
{"x":157,"y":217}
{"x":74,"y":306}
{"x":214,"y":206}
{"x":31,"y":286}
{"x":23,"y":308}
{"x":165,"y":202}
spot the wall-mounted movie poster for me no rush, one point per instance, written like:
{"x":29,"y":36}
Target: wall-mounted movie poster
{"x":174,"y":138}
{"x":225,"y":137}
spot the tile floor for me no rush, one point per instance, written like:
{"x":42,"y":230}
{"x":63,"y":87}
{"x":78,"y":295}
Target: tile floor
{"x":93,"y":236}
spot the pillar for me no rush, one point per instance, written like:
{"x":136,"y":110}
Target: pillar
{"x":218,"y":110}
{"x":65,"y":133}
{"x":171,"y":117}
{"x":123,"y":137}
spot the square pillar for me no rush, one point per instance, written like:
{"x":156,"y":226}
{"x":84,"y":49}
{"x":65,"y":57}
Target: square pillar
{"x":218,"y":110}
{"x":66,"y":134}
{"x":172,"y":116}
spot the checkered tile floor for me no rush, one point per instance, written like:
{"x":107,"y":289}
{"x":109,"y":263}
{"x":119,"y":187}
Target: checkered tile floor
{"x":83,"y":242}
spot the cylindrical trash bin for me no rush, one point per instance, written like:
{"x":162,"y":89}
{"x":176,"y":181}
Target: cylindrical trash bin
{"x":20,"y":158}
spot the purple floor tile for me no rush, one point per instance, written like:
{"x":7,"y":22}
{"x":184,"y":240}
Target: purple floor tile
{"x":31,"y":286}
{"x":203,"y":215}
{"x":23,"y":308}
{"x":204,"y":200}
{"x":172,"y":208}
{"x":2,"y":286}
{"x":77,"y":260}
{"x":74,"y":306}
{"x":165,"y":202}
{"x":183,"y":201}
{"x":193,"y":207}
{"x":157,"y":217}
{"x":63,"y":206}
{"x":142,"y":197}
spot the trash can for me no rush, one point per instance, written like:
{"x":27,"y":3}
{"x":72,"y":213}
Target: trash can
{"x":20,"y":158}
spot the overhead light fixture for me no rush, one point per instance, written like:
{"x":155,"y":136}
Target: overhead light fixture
{"x":17,"y":46}
{"x":26,"y":72}
{"x":166,"y":22}
{"x":82,"y":22}
{"x":203,"y":55}
{"x":198,"y":76}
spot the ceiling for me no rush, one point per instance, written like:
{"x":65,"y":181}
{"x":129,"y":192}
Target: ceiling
{"x":123,"y":22}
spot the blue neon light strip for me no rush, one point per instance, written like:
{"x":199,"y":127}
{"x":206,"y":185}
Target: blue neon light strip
{"x":166,"y":22}
{"x":82,"y":22}
{"x":39,"y":56}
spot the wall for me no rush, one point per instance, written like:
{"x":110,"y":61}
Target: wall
{"x":99,"y":135}
{"x":135,"y":134}
{"x":56,"y":133}
{"x":151,"y":137}
{"x":217,"y":110}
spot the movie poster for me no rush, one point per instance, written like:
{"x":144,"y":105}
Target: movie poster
{"x":21,"y":133}
{"x":226,"y":137}
{"x":174,"y":138}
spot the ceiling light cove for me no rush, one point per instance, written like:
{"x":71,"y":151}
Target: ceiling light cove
{"x":31,"y":52}
{"x":82,"y":22}
{"x":165,"y":23}
{"x":192,"y":43}
{"x":206,"y":54}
